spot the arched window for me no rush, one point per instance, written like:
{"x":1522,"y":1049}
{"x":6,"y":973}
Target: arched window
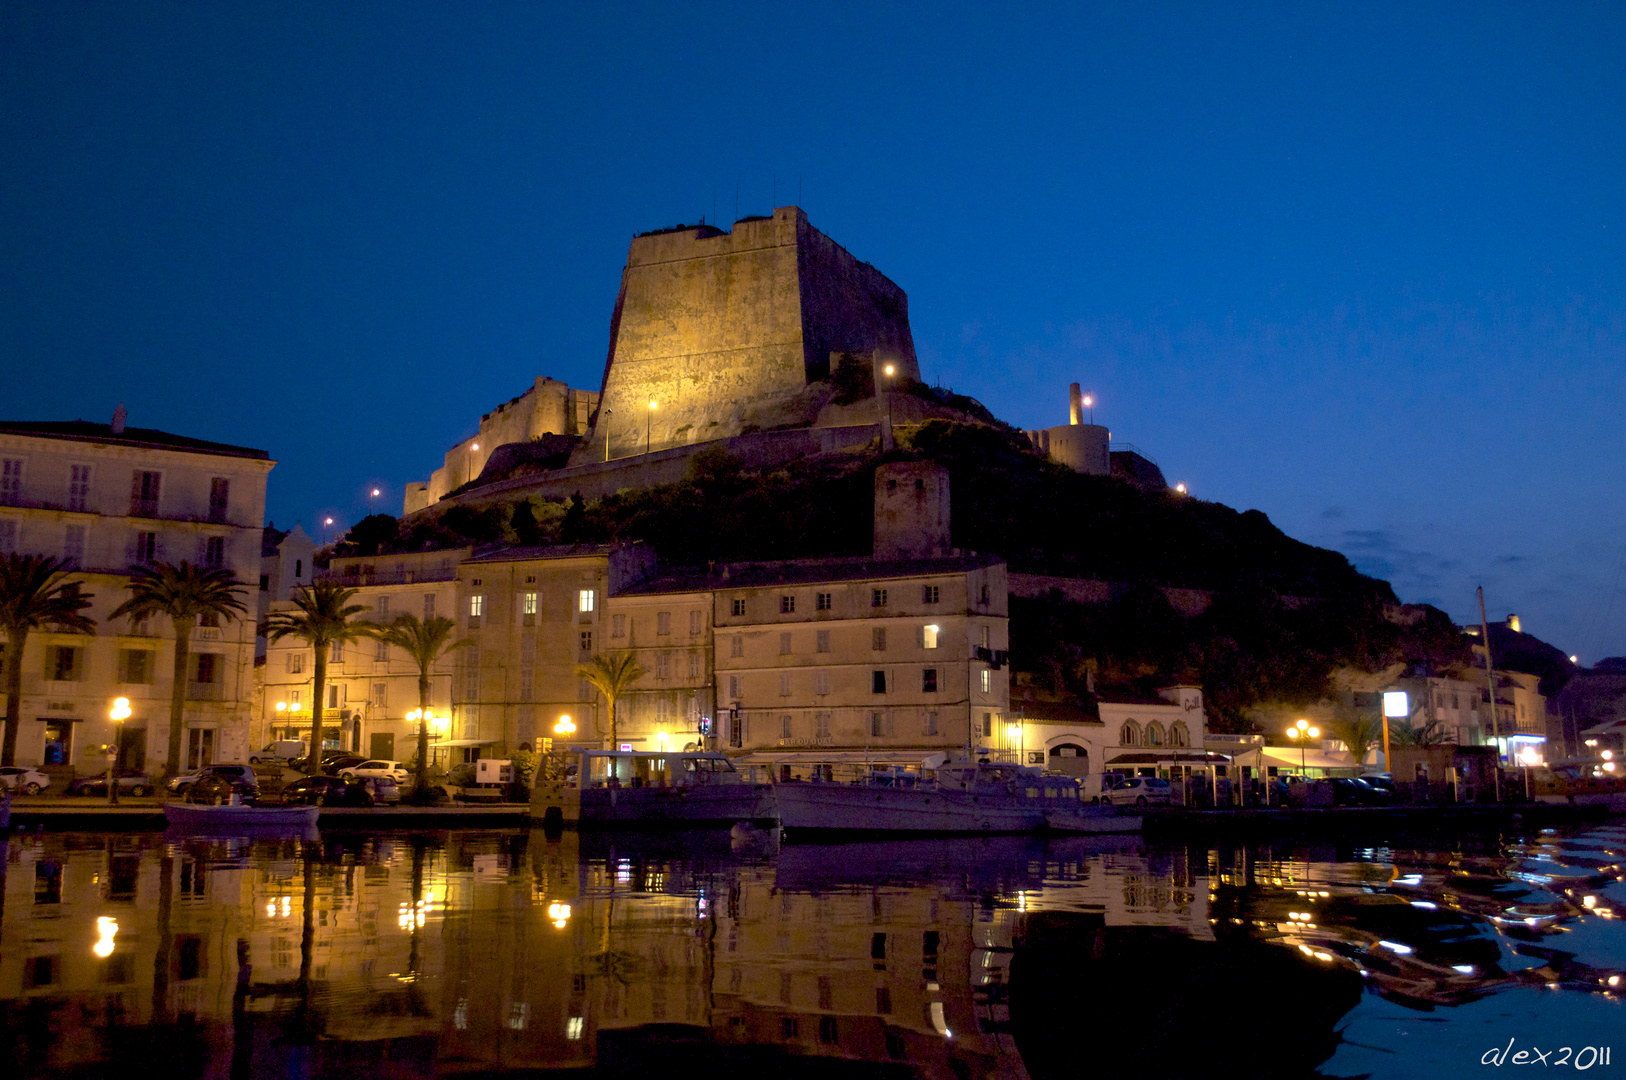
{"x":1154,"y":734}
{"x":1130,"y":735}
{"x":1178,"y":736}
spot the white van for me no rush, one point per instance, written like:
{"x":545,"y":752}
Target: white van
{"x":282,"y":752}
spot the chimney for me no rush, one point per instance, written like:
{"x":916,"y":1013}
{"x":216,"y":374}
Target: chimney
{"x":118,"y":419}
{"x":1075,"y":402}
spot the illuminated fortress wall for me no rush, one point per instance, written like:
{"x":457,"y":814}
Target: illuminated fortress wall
{"x":725,"y":332}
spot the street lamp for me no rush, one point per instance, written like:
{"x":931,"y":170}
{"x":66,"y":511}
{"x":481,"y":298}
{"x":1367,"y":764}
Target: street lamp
{"x":1013,"y":739}
{"x":605,"y":416}
{"x":327,"y":523}
{"x":1089,"y":403}
{"x":565,"y":726}
{"x":119,"y":713}
{"x":649,"y":423}
{"x":1303,"y":732}
{"x":372,"y":501}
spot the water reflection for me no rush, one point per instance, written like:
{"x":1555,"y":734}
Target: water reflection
{"x":456,"y":952}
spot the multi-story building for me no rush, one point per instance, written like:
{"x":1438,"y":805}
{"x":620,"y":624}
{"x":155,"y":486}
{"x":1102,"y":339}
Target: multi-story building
{"x":668,"y":632}
{"x":370,"y":688}
{"x":106,"y":498}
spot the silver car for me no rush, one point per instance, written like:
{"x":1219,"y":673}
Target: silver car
{"x":27,"y":781}
{"x":1139,"y":791}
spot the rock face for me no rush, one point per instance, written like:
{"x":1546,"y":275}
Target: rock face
{"x":718,"y":333}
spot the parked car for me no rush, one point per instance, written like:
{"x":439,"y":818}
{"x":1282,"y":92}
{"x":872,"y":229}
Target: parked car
{"x":326,"y":791}
{"x":130,"y":781}
{"x":386,"y":792}
{"x":1139,"y":791}
{"x":27,"y":781}
{"x":334,"y":760}
{"x":1383,"y":782}
{"x":281,"y":752}
{"x":183,"y":783}
{"x":376,"y":767}
{"x":216,"y":788}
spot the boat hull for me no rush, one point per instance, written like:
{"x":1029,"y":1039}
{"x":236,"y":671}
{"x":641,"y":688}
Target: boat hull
{"x":247,"y":819}
{"x":812,"y":808}
{"x":655,"y":807}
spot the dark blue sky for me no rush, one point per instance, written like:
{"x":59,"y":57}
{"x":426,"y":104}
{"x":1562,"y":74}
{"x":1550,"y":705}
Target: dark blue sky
{"x":1358,"y":266}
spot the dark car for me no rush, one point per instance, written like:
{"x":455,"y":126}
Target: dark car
{"x":333,"y":762}
{"x":326,"y":791}
{"x":131,"y":782}
{"x":1349,"y":791}
{"x":219,"y":788}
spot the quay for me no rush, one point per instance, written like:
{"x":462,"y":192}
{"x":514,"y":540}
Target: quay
{"x":145,"y":815}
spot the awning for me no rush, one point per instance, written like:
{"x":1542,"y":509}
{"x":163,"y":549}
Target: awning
{"x":1170,"y":757}
{"x":435,"y":744}
{"x":1313,"y":759}
{"x":912,"y":757}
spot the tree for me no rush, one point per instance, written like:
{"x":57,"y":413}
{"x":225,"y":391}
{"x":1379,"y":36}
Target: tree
{"x":611,"y":676}
{"x":1356,"y":730}
{"x":34,"y":593}
{"x":183,"y":592}
{"x":424,"y":640}
{"x":323,"y":615}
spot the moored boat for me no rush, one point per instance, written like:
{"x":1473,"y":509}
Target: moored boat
{"x":962,"y":797}
{"x":1580,"y":782}
{"x":652,"y":789}
{"x":219,"y":818}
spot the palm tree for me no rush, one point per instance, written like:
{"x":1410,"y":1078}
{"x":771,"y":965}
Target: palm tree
{"x":1357,"y":732}
{"x":424,"y":640}
{"x":324,"y":615}
{"x":611,"y":676}
{"x":183,"y":592}
{"x":34,"y":593}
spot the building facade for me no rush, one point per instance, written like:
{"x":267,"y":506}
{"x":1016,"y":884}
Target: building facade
{"x":107,"y":498}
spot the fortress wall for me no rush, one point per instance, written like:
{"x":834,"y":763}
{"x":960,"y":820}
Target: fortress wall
{"x":548,"y":407}
{"x":724,"y":330}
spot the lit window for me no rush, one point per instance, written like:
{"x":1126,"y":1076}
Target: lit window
{"x":585,"y":600}
{"x":928,"y":637}
{"x":477,"y":606}
{"x":528,"y":604}
{"x":986,"y":682}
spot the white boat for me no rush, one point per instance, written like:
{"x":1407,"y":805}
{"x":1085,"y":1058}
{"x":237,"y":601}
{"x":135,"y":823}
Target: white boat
{"x":965,"y":797}
{"x":1580,"y":782}
{"x":223,"y":818}
{"x":652,"y":789}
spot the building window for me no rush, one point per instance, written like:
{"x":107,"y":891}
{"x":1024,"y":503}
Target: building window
{"x":734,"y":688}
{"x":11,"y":481}
{"x":296,"y":662}
{"x":381,"y":652}
{"x":219,"y":498}
{"x":73,"y":546}
{"x":983,"y":637}
{"x":879,"y":724}
{"x":210,"y":619}
{"x":737,"y":606}
{"x":877,"y":598}
{"x":200,"y":751}
{"x":931,"y":723}
{"x":526,"y":679}
{"x":144,"y":488}
{"x":1178,"y":735}
{"x":63,"y":664}
{"x":822,"y":722}
{"x":586,"y":641}
{"x":1154,"y":734}
{"x":878,"y":682}
{"x":383,"y":605}
{"x":428,"y":605}
{"x":987,"y":725}
{"x":135,"y":666}
{"x":663,"y":622}
{"x":821,"y":641}
{"x":928,"y":681}
{"x":736,"y":645}
{"x":477,"y":606}
{"x":825,"y":601}
{"x":527,"y":608}
{"x":335,"y":652}
{"x":1129,"y":734}
{"x":784,"y":644}
{"x":982,"y":597}
{"x":663,"y":665}
{"x":985,"y":680}
{"x":877,"y":639}
{"x":696,"y":623}
{"x":784,"y":684}
{"x":618,"y":626}
{"x":930,"y":594}
{"x":78,"y":487}
{"x":785,"y":725}
{"x":299,"y":569}
{"x":928,"y":636}
{"x":380,"y":698}
{"x":787,"y":605}
{"x":694,"y":666}
{"x":207,"y":668}
{"x":821,"y":682}
{"x":584,"y":600}
{"x":146,"y":547}
{"x":214,"y":552}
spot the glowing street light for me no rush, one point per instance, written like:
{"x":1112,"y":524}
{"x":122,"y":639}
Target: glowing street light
{"x":1180,"y":487}
{"x":1089,"y":403}
{"x":1303,"y":732}
{"x":119,"y":713}
{"x":565,"y":726}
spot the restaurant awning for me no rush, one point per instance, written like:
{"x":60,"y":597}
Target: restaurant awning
{"x":1168,"y":757}
{"x":1313,"y":759}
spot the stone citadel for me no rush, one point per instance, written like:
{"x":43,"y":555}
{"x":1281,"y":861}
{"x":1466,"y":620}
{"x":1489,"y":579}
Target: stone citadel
{"x":771,"y":340}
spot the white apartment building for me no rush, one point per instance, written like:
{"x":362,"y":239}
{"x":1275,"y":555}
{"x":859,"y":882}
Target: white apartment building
{"x":106,"y":498}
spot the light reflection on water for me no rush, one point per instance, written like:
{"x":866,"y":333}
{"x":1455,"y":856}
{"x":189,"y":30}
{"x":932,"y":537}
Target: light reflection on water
{"x":407,"y":956}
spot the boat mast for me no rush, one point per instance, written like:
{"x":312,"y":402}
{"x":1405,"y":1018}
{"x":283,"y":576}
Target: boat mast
{"x":1490,"y":679}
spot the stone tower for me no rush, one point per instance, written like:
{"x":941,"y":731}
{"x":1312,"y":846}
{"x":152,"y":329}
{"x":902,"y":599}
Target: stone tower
{"x":721,"y":331}
{"x":911,"y":510}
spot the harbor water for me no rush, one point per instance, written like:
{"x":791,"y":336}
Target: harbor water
{"x":490,"y":952}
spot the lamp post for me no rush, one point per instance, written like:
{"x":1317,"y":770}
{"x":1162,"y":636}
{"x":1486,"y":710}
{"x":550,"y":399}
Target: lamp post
{"x":119,"y":713}
{"x":327,"y":523}
{"x":1302,"y":732}
{"x":372,"y":501}
{"x":649,"y":423}
{"x":1013,"y":739}
{"x":1089,"y":403}
{"x":605,"y":416}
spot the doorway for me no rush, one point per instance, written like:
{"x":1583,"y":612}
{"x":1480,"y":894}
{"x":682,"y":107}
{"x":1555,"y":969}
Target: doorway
{"x":1070,"y":759}
{"x":382,"y":745}
{"x":200,"y":747}
{"x":132,"y":748}
{"x":58,"y":748}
